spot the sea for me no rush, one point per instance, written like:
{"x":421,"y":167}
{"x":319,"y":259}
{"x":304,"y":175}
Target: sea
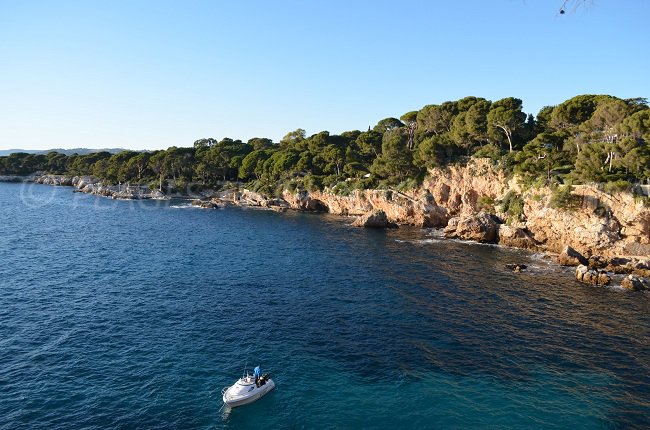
{"x":136,"y":314}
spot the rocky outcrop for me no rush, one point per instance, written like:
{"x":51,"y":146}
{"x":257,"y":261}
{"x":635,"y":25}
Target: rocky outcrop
{"x":413,"y":208}
{"x":516,"y":237}
{"x":375,"y":219}
{"x":92,"y":185}
{"x":249,"y":198}
{"x":634,"y":266}
{"x":597,"y":224}
{"x":629,"y":265}
{"x":235,"y":197}
{"x":457,"y":188}
{"x":204,"y":204}
{"x":592,"y":276}
{"x":641,"y":267}
{"x":58,"y":180}
{"x":571,"y":257}
{"x":634,"y":283}
{"x":303,"y":200}
{"x":481,"y":227}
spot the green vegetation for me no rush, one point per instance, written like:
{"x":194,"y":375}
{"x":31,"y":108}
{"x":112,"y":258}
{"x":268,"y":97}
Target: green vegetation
{"x":644,"y":200}
{"x":562,"y":198}
{"x":588,"y":138}
{"x":513,"y":205}
{"x":617,"y":186}
{"x":485,"y":204}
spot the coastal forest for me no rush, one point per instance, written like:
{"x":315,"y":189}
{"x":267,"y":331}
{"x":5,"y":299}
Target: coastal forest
{"x":586,"y":139}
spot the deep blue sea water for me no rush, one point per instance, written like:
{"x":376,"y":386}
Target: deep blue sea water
{"x":118,"y":314}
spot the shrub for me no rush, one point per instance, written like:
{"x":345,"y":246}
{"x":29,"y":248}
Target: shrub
{"x":602,"y":210}
{"x":507,"y":163}
{"x":617,"y":186}
{"x":365,"y":184}
{"x":342,"y":189}
{"x":407,"y":185}
{"x":485,"y":203}
{"x":644,"y":200}
{"x":313,"y":182}
{"x":291,"y":185}
{"x":563,"y":199}
{"x":229,"y":185}
{"x":180,"y":186}
{"x":513,"y":205}
{"x":491,"y":151}
{"x":330,"y":180}
{"x":261,"y":187}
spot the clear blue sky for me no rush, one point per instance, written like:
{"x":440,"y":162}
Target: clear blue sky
{"x":152,"y":74}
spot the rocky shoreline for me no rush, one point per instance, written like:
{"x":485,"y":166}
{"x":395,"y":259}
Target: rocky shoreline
{"x":91,"y":185}
{"x":608,"y":234}
{"x":602,"y":236}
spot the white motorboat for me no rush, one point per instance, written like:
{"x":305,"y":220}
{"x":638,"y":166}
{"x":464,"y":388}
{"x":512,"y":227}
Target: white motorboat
{"x":245,"y":390}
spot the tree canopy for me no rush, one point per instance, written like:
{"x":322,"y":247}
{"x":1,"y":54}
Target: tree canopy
{"x":586,"y":138}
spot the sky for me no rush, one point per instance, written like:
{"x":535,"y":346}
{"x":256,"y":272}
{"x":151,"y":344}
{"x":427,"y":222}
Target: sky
{"x":154,"y":74}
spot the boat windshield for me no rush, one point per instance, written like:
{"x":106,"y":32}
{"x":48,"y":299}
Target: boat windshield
{"x":247,"y":380}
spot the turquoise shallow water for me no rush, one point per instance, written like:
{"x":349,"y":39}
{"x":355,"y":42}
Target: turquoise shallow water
{"x":118,"y":314}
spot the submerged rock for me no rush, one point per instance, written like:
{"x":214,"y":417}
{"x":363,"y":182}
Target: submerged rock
{"x":516,"y":267}
{"x":375,"y":219}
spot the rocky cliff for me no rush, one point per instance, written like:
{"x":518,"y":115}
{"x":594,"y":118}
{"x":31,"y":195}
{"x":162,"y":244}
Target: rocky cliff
{"x":607,"y":231}
{"x":597,"y":224}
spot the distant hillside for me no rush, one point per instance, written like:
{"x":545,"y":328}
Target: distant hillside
{"x":80,"y":151}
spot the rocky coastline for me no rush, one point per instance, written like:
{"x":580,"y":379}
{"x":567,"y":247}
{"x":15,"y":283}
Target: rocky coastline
{"x":608,"y":234}
{"x":602,"y":235}
{"x":91,"y":185}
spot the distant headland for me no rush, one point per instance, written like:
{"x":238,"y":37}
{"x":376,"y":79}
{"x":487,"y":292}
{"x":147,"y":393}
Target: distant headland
{"x":79,"y":151}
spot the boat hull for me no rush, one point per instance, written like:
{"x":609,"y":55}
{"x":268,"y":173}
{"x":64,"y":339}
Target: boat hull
{"x":250,"y":397}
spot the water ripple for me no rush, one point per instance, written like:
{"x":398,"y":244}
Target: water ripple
{"x":117,"y":314}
